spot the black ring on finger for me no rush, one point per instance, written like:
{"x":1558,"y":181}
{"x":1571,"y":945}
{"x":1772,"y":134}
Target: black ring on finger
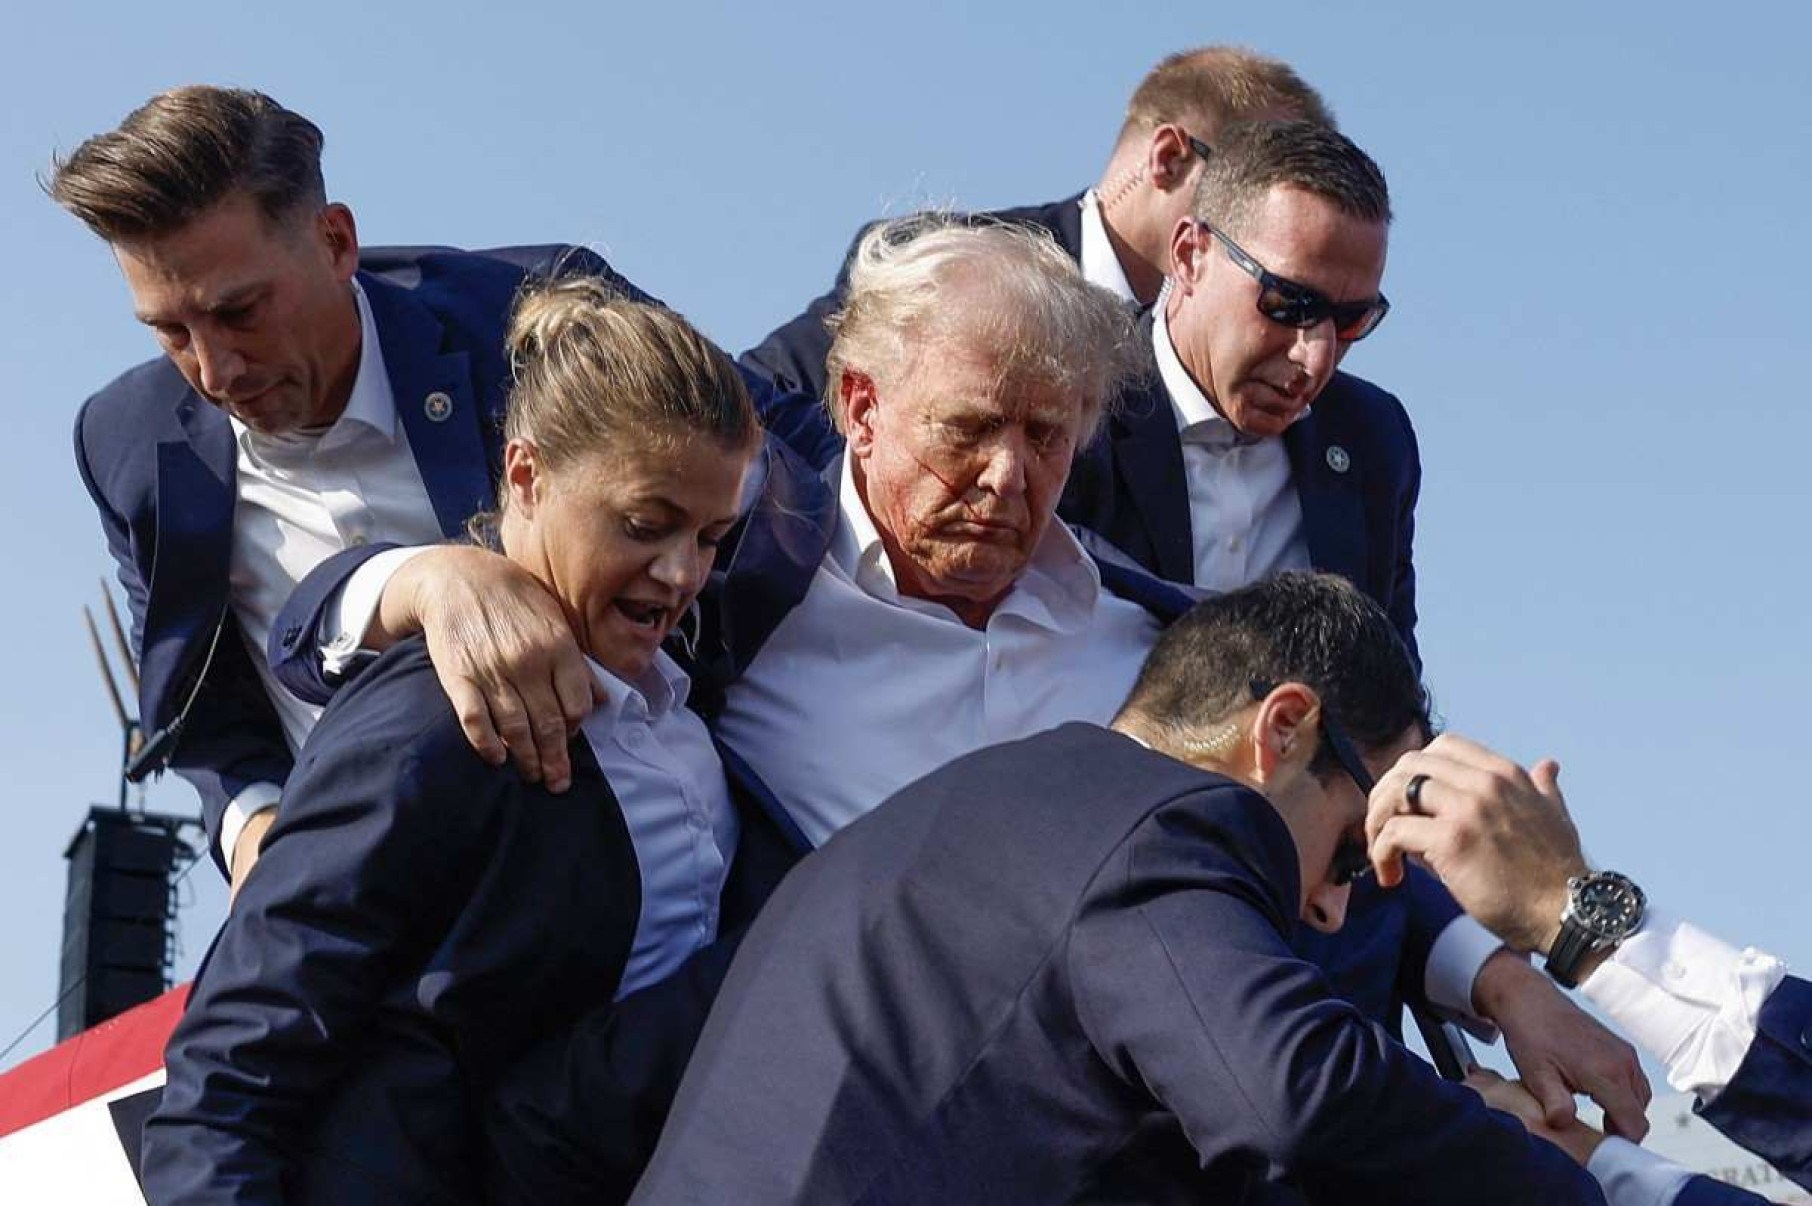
{"x":1412,"y":793}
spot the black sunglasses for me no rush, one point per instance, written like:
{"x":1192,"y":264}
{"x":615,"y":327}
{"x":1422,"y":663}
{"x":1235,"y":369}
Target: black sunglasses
{"x":1296,"y":305}
{"x":1198,"y":146}
{"x":1351,"y":859}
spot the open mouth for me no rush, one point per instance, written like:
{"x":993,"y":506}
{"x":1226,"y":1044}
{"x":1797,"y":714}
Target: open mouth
{"x":643,"y":614}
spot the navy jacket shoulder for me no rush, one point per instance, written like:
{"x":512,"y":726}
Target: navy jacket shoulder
{"x":389,"y":955}
{"x":1353,"y":460}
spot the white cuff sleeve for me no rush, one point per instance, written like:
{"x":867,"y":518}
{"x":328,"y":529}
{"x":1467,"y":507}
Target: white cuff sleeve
{"x":1634,"y":1176}
{"x":1453,"y":964}
{"x":346,"y":617}
{"x":1687,"y":998}
{"x":254,"y":799}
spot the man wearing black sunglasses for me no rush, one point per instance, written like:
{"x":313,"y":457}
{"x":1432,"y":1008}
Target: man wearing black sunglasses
{"x":1024,"y":964}
{"x":1118,"y":230}
{"x":1246,"y":452}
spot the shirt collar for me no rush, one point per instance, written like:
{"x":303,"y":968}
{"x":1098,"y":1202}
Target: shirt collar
{"x":370,"y":407}
{"x":1058,"y":588}
{"x":372,"y":404}
{"x":648,"y":698}
{"x":1100,"y":264}
{"x":1198,"y":422}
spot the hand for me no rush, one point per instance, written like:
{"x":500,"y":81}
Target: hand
{"x":246,"y":849}
{"x":504,"y":653}
{"x":1497,"y":836}
{"x":1560,"y":1049}
{"x":1574,"y":1138}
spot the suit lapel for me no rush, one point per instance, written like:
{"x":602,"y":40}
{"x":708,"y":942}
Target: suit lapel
{"x":1148,"y":460}
{"x":1333,"y":514}
{"x":436,"y":402}
{"x":196,"y":486}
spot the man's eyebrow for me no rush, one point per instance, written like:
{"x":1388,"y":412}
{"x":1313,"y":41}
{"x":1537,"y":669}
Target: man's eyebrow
{"x":235,"y":298}
{"x":232,"y":299}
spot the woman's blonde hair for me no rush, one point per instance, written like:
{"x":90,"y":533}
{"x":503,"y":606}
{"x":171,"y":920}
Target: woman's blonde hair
{"x":593,"y":371}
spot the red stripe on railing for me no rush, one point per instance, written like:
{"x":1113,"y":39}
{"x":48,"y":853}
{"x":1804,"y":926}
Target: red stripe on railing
{"x":115,"y":1053}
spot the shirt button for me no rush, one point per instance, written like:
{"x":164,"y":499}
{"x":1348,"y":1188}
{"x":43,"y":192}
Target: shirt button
{"x":358,"y":540}
{"x":1673,"y":971}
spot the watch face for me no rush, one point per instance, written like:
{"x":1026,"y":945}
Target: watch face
{"x":1608,"y":905}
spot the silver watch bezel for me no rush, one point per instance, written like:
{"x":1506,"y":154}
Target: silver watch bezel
{"x":1605,"y":927}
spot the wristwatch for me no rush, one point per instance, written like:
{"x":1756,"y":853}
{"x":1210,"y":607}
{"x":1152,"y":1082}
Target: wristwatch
{"x":1603,"y":909}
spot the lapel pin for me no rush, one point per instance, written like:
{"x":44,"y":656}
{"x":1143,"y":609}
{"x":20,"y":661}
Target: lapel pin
{"x":439,"y":408}
{"x":1338,"y":460}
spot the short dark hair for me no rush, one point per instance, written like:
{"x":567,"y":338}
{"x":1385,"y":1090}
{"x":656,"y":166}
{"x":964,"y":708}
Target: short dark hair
{"x":1252,"y":158}
{"x":1213,"y":86}
{"x":1310,"y":628}
{"x":184,"y":151}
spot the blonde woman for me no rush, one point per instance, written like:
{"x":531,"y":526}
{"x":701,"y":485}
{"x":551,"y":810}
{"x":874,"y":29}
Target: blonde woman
{"x":420,"y":917}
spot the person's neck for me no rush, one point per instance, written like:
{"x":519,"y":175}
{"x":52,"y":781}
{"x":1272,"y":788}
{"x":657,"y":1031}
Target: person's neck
{"x":1120,"y":196}
{"x":1145,"y":276}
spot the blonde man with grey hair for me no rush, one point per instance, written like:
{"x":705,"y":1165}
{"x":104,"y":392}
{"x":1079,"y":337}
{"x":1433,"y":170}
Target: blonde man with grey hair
{"x":1119,"y":230}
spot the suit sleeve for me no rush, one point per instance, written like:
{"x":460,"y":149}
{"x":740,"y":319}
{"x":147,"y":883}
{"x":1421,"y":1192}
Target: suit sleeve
{"x":360,"y":871}
{"x":1403,"y":582}
{"x":232,"y":742}
{"x":296,"y":636}
{"x":1187,"y":989}
{"x":1767,"y":1106}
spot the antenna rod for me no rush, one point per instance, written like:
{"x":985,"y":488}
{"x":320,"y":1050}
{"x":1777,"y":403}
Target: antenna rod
{"x":100,"y":655}
{"x":119,"y":636}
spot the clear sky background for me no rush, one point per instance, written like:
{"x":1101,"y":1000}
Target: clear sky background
{"x":1600,"y":273}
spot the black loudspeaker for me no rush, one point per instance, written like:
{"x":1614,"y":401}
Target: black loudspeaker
{"x":119,"y":914}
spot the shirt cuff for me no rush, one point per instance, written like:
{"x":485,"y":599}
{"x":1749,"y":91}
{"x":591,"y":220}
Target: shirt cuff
{"x":347,"y":614}
{"x":1459,"y":951}
{"x":1686,"y":997}
{"x":254,"y":799}
{"x":1634,"y":1176}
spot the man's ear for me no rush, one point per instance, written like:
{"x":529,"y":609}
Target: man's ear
{"x":524,"y":483}
{"x":860,"y":404}
{"x":1284,"y":730}
{"x":339,"y":234}
{"x":1190,"y":245}
{"x":1169,"y":161}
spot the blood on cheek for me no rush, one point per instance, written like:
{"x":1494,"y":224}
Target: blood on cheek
{"x":950,"y":488}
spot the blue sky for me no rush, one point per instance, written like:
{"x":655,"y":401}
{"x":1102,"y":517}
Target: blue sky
{"x":1599,"y":275}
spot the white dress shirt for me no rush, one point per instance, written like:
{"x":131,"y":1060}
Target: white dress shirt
{"x":1244,"y":514}
{"x":667,"y":778}
{"x":1100,"y":263}
{"x":1687,"y":998}
{"x":1691,"y":1000}
{"x":861,"y":690}
{"x":302,"y":497}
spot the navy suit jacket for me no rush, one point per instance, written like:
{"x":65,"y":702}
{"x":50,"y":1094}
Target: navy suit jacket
{"x":792,"y":354}
{"x":159,"y":461}
{"x":984,"y":990}
{"x":418,"y":920}
{"x":1767,"y":1106}
{"x":1353,"y":460}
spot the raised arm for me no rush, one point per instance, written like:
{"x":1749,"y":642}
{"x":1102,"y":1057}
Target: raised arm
{"x":501,"y":646}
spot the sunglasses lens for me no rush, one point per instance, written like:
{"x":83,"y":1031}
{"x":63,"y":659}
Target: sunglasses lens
{"x":1355,"y":322}
{"x":1290,"y":309}
{"x":1350,"y":862}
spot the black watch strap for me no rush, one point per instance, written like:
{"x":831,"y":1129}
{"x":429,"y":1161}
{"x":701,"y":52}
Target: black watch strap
{"x":1570,"y":948}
